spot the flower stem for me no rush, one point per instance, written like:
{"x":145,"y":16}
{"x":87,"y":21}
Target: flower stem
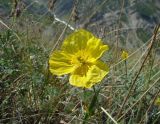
{"x":126,"y":68}
{"x":92,"y":105}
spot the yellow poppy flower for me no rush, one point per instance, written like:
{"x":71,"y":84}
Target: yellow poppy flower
{"x":79,"y":57}
{"x":157,"y":101}
{"x":124,"y":55}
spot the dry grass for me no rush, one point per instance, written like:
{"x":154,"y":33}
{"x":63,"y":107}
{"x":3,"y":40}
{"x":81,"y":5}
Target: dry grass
{"x":30,"y":94}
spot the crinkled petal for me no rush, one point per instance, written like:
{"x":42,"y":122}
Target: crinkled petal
{"x":79,"y":80}
{"x":60,"y":63}
{"x":76,"y":41}
{"x":81,"y":70}
{"x":96,"y":48}
{"x":94,"y":74}
{"x":97,"y":72}
{"x":78,"y":77}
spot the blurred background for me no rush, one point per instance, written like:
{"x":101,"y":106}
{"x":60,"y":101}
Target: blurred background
{"x":135,"y":19}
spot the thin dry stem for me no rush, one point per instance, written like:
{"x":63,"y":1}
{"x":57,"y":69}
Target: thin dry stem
{"x":136,"y":77}
{"x":128,"y":110}
{"x":155,"y":96}
{"x":117,"y":33}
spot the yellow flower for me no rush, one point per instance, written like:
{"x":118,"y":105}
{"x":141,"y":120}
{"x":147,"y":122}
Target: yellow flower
{"x":124,"y":55}
{"x":157,"y":101}
{"x":79,"y":57}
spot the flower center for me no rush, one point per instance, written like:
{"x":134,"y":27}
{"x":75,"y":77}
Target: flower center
{"x":81,"y":60}
{"x":83,"y":65}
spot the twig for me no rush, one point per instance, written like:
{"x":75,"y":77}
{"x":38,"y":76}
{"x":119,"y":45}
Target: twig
{"x":115,"y":122}
{"x":63,"y":22}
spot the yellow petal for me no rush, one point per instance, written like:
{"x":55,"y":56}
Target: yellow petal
{"x":76,"y":41}
{"x":60,"y":63}
{"x":93,"y":75}
{"x":79,"y":80}
{"x":157,"y":101}
{"x":81,"y":70}
{"x":97,"y":72}
{"x":124,"y":55}
{"x":96,"y":48}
